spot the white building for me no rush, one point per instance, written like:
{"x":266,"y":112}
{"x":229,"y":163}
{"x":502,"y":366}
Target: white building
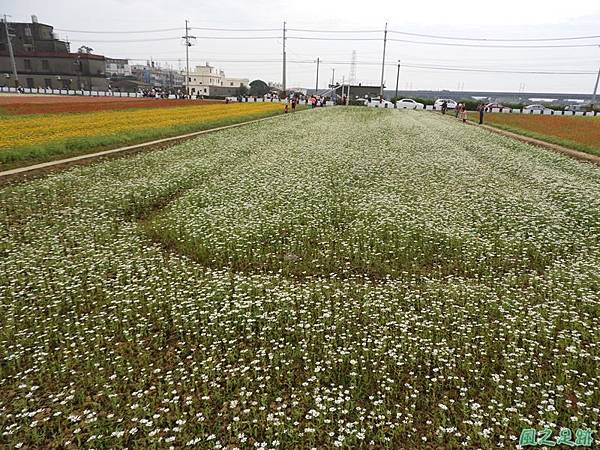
{"x":118,"y":68}
{"x":208,"y":81}
{"x":156,"y":76}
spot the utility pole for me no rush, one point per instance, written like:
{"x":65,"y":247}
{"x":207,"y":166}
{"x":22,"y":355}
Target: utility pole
{"x":383,"y":61}
{"x":10,"y":52}
{"x":348,"y":97}
{"x":284,"y":62}
{"x":397,"y":78}
{"x":317,"y":83}
{"x":595,"y":87}
{"x":188,"y":44}
{"x":333,"y":76}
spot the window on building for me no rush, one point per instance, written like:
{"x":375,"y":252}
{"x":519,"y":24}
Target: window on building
{"x":29,"y":82}
{"x":45,"y":64}
{"x":231,"y":83}
{"x":27,"y":64}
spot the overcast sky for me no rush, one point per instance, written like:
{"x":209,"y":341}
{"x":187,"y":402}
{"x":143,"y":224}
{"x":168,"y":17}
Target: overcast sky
{"x":260,"y":58}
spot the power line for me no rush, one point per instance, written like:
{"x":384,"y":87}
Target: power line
{"x":174,"y":38}
{"x":375,"y":63}
{"x":119,"y":41}
{"x":531,"y":72}
{"x":492,"y":46}
{"x":239,"y":37}
{"x":305,"y":30}
{"x":440,"y":43}
{"x":495,"y":39}
{"x":307,"y":38}
{"x":236,"y":29}
{"x":162,"y":30}
{"x":358,"y":31}
{"x":118,"y":32}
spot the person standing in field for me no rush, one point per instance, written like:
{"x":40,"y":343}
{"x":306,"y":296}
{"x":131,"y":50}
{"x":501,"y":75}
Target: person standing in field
{"x":481,"y":109}
{"x":444,"y":107}
{"x":458,"y":109}
{"x":463,"y":113}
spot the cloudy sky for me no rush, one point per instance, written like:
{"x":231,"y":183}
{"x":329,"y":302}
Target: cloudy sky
{"x":257,"y":54}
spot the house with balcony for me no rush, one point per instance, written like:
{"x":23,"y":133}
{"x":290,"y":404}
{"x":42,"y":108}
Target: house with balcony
{"x":209,"y":81}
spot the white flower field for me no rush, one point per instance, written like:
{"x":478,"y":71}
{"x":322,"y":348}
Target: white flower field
{"x":343,"y":277}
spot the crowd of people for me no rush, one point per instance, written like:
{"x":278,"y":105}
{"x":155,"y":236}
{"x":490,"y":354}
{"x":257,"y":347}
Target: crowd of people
{"x":314,"y":101}
{"x":461,"y":111}
{"x":161,"y":93}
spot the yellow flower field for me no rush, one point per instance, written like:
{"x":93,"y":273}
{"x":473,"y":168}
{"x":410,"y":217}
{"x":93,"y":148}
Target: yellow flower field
{"x":25,"y":131}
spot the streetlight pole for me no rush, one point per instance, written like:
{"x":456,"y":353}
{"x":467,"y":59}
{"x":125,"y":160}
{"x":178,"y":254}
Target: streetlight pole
{"x":284,"y":76}
{"x":397,"y":78}
{"x":10,"y":52}
{"x":596,"y":87}
{"x":383,"y":61}
{"x":317,"y":83}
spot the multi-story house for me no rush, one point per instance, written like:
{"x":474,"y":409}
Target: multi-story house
{"x":44,"y":61}
{"x":208,"y":81}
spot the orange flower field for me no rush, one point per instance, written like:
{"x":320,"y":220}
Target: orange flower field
{"x":581,"y":133}
{"x":14,"y":105}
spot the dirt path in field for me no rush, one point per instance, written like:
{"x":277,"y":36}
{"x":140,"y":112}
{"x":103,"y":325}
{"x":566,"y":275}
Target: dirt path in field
{"x":547,"y":145}
{"x":36,"y":170}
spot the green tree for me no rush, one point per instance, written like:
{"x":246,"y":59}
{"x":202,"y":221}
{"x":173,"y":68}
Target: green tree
{"x":85,"y":49}
{"x":242,"y":90}
{"x":258,"y":88}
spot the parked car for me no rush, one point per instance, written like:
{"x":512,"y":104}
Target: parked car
{"x":451,"y":103}
{"x":535,"y":108}
{"x":409,"y":103}
{"x":491,"y":106}
{"x":377,"y":103}
{"x":578,"y":108}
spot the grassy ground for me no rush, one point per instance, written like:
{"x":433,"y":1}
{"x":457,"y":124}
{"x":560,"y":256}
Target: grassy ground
{"x":349,"y":278}
{"x":579,"y":133}
{"x":31,"y":139}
